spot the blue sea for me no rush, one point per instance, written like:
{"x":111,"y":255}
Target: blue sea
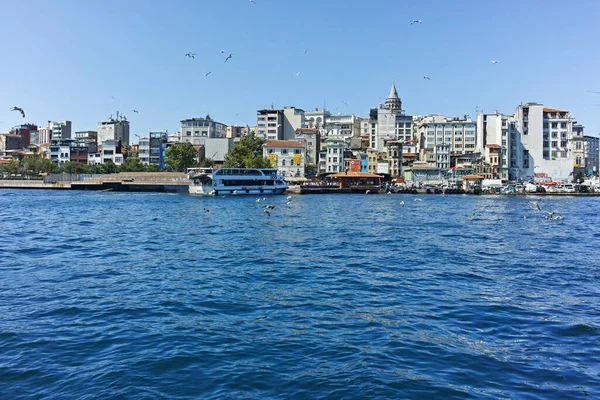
{"x":108,"y":295}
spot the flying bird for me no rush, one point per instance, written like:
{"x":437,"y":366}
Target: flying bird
{"x":190,"y":55}
{"x":267,"y":212}
{"x":297,"y":74}
{"x":470,"y":217}
{"x":305,"y":51}
{"x":426,"y":77}
{"x":222,"y":51}
{"x":136,"y":111}
{"x":591,"y":91}
{"x":19,"y":109}
{"x":416,"y":21}
{"x":207,"y":74}
{"x":228,"y":57}
{"x":252,"y":1}
{"x":496,"y":62}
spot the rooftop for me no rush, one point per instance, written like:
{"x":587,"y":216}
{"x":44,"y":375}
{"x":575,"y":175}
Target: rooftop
{"x":355,"y":175}
{"x":493,"y":146}
{"x":285,"y":143}
{"x":554,"y":110}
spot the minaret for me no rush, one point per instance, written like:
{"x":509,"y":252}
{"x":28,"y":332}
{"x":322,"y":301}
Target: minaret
{"x":393,"y":102}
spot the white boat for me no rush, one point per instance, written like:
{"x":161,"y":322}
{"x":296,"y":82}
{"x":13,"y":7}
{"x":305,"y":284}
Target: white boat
{"x":235,"y":181}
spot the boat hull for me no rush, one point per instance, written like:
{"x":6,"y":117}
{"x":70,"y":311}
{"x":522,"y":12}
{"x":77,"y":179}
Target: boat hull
{"x":209,"y":190}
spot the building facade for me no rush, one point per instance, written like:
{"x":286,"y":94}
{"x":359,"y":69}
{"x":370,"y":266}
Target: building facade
{"x":288,"y":156}
{"x":59,"y":130}
{"x":279,"y":124}
{"x":157,"y":144}
{"x":144,"y":150}
{"x":114,"y":129}
{"x":312,"y":138}
{"x":592,"y":155}
{"x":109,"y":150}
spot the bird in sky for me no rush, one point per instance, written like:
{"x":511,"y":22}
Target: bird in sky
{"x":252,"y":1}
{"x":136,"y":111}
{"x":208,"y":73}
{"x":426,"y":77}
{"x":591,"y":91}
{"x":496,"y":62}
{"x":19,"y":109}
{"x":416,"y":21}
{"x":228,"y":57}
{"x":190,"y":55}
{"x":297,"y":74}
{"x":305,"y":51}
{"x":222,"y":51}
{"x":346,"y":104}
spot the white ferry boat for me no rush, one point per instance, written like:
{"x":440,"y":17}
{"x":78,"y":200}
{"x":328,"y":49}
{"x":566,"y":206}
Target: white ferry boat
{"x":235,"y":181}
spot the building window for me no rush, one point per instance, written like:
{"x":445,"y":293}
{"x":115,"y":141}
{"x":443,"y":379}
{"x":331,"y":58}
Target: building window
{"x":284,"y":151}
{"x":297,"y":151}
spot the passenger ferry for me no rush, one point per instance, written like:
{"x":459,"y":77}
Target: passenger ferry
{"x":235,"y":181}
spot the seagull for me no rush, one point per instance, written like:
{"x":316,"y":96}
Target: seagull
{"x":252,"y":1}
{"x":289,"y":203}
{"x":190,"y":55}
{"x":297,"y":74}
{"x":289,"y":197}
{"x":418,"y":199}
{"x":267,"y":212}
{"x":222,"y":51}
{"x":269,"y":206}
{"x":346,"y":104}
{"x":135,"y":111}
{"x":367,"y":192}
{"x":228,"y":57}
{"x":426,"y":77}
{"x":305,"y":51}
{"x":258,"y":200}
{"x":591,"y":91}
{"x":537,"y":205}
{"x":496,"y":62}
{"x":416,"y":21}
{"x":206,"y":210}
{"x":207,"y":74}
{"x":402,"y":203}
{"x":19,"y":109}
{"x":470,"y":217}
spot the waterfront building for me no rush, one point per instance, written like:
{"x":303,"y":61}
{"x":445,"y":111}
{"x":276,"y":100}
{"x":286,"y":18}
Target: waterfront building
{"x":144,"y":150}
{"x":312,"y":138}
{"x":394,"y":157}
{"x":157,"y":145}
{"x":58,"y":131}
{"x":197,"y":130}
{"x":333,"y":156}
{"x":545,"y":142}
{"x":288,"y":156}
{"x":279,"y":124}
{"x":27,"y":133}
{"x":44,"y":134}
{"x":109,"y":150}
{"x":114,"y":129}
{"x":10,"y":143}
{"x":234,"y":131}
{"x":316,"y":119}
{"x":364,"y":162}
{"x":499,"y":129}
{"x":60,"y":150}
{"x":592,"y":155}
{"x":442,"y":156}
{"x":459,"y":133}
{"x":391,"y":122}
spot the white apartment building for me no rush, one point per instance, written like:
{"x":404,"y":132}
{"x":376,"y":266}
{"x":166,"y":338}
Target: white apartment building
{"x":144,"y":150}
{"x":197,"y":130}
{"x":114,"y":129}
{"x":316,"y":119}
{"x":499,"y":129}
{"x":110,"y":150}
{"x":279,"y":124}
{"x":288,"y":156}
{"x":56,"y":131}
{"x":332,"y":157}
{"x":545,"y":142}
{"x":459,"y":133}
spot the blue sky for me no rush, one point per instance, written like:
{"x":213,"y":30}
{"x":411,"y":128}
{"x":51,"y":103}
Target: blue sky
{"x":67,"y":59}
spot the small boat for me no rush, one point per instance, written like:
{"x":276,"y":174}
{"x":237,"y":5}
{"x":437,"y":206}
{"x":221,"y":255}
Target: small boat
{"x":235,"y":181}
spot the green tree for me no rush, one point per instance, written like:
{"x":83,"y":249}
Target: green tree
{"x":132,"y":164}
{"x":153,"y":168}
{"x":46,"y":166}
{"x":247,"y":153}
{"x":207,"y":163}
{"x":310,"y":169}
{"x":73,"y":167}
{"x":181,"y":156}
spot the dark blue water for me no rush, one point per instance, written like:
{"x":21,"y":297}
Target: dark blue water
{"x":111,"y":295}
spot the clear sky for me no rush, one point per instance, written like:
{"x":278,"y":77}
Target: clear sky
{"x":67,"y":59}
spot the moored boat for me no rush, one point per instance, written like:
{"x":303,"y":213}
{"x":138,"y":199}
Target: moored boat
{"x":236,"y":181}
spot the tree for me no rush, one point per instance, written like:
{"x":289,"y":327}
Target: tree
{"x":73,"y":167}
{"x":207,"y":163}
{"x":247,"y":153}
{"x":153,"y":168}
{"x":132,"y":164}
{"x":46,"y":166}
{"x":181,"y":156}
{"x":310,"y":169}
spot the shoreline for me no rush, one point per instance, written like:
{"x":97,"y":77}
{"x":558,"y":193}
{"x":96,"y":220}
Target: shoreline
{"x":182,"y":187}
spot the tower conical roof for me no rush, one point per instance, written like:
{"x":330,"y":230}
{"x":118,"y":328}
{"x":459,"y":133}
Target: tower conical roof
{"x":393,"y":92}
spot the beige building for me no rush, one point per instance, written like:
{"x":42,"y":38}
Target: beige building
{"x":288,"y":156}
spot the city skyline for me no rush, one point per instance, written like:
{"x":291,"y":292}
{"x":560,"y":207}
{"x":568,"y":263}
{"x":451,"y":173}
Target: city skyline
{"x":93,"y":60}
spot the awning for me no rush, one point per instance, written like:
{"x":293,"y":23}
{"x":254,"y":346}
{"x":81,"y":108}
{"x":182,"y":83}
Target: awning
{"x":295,"y":179}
